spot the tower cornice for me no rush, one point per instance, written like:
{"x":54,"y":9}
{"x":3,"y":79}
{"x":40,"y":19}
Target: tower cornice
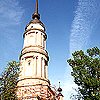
{"x":38,"y":78}
{"x":25,"y":51}
{"x":28,"y":32}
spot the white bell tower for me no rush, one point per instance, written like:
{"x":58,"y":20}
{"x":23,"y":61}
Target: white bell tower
{"x":33,"y":83}
{"x":34,"y":58}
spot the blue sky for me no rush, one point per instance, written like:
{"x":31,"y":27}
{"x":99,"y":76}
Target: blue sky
{"x":70,"y":25}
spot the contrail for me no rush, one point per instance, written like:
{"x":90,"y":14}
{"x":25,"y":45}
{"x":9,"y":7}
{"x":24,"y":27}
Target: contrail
{"x":86,"y":17}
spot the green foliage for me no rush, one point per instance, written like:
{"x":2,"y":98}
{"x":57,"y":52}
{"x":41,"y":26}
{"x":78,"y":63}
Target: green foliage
{"x":86,"y":73}
{"x":9,"y":81}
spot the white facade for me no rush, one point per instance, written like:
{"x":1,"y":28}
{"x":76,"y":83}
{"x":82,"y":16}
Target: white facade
{"x":34,"y":58}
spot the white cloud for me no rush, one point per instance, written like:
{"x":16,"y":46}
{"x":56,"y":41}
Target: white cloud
{"x":10,"y":12}
{"x":86,"y":17}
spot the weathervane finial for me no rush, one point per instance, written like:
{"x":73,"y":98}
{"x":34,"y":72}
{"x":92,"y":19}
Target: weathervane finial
{"x":36,"y":9}
{"x":59,"y":84}
{"x":36,"y":14}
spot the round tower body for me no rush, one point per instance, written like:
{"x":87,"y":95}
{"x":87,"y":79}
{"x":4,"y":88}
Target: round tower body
{"x":34,"y":58}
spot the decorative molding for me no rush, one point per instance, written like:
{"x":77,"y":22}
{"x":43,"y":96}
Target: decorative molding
{"x":33,"y":46}
{"x":28,"y":57}
{"x":35,"y":51}
{"x":45,"y":36}
{"x":39,"y":78}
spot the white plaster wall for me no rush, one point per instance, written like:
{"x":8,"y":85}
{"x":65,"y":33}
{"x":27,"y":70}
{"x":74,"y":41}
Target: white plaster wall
{"x":34,"y":39}
{"x":30,"y":70}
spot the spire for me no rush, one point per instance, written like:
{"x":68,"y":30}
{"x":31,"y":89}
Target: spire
{"x":59,"y":84}
{"x":59,"y":92}
{"x":36,"y":14}
{"x":36,"y":9}
{"x":59,"y":89}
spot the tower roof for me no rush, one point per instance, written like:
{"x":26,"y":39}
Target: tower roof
{"x":36,"y":17}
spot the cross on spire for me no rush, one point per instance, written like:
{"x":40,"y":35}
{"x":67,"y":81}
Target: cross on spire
{"x":36,"y":14}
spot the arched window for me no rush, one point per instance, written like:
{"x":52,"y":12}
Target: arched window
{"x":31,"y":26}
{"x":45,"y":67}
{"x":41,"y":65}
{"x":36,"y":57}
{"x":29,"y":62}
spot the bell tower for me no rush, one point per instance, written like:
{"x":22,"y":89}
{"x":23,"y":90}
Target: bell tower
{"x":33,"y":83}
{"x":34,"y":57}
{"x":33,"y":80}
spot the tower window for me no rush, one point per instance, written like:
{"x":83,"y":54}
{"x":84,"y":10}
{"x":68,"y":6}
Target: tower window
{"x":31,"y":26}
{"x":45,"y":71}
{"x":22,"y":58}
{"x":29,"y":62}
{"x":46,"y":63}
{"x":42,"y":58}
{"x":36,"y":57}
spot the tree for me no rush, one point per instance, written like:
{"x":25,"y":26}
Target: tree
{"x":86,"y":73}
{"x":9,"y":80}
